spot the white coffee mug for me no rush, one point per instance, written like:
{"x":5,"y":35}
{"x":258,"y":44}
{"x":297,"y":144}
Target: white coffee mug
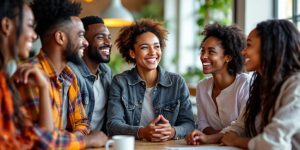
{"x":121,"y":142}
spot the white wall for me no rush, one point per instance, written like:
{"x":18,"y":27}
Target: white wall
{"x":251,"y":12}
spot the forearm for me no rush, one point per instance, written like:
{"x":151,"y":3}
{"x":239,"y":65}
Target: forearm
{"x":182,"y":130}
{"x":242,"y":142}
{"x":58,"y":139}
{"x":45,"y":114}
{"x":214,"y":138}
{"x":210,"y":130}
{"x":117,"y":128}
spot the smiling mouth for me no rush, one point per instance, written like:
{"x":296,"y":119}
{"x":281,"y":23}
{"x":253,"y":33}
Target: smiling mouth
{"x":247,"y":59}
{"x":151,"y":60}
{"x":105,"y":50}
{"x":206,"y":64}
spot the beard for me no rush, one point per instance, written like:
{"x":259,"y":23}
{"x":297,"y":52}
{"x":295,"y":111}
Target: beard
{"x":95,"y":55}
{"x":72,"y":54}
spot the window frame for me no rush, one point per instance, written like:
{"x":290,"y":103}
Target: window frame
{"x":295,"y":17}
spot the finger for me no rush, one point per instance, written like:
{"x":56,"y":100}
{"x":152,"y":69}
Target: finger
{"x":163,"y":119}
{"x":155,"y":140}
{"x":20,"y":73}
{"x":160,"y":129}
{"x":164,"y":125}
{"x":157,"y":135}
{"x":166,"y":133}
{"x":195,"y":138}
{"x":164,"y":138}
{"x":221,"y":144}
{"x":156,"y":120}
{"x":26,"y":74}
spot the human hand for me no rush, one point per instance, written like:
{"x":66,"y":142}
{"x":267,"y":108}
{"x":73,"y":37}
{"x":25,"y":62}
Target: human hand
{"x":32,"y":75}
{"x":229,"y":138}
{"x":165,"y":128}
{"x":149,"y":131}
{"x":196,"y":138}
{"x":96,"y":139}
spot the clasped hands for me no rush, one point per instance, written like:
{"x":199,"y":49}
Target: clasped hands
{"x":158,"y":130}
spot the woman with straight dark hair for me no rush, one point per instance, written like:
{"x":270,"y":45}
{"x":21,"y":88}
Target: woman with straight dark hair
{"x":16,"y":36}
{"x":272,"y":113}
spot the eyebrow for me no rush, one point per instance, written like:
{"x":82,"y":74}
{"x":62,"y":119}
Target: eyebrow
{"x":101,"y":33}
{"x":156,"y":43}
{"x":210,"y":47}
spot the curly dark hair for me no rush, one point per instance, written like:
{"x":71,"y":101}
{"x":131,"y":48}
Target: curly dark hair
{"x":88,"y":20}
{"x":280,"y":58}
{"x":128,"y":35}
{"x":51,"y":13}
{"x":233,"y":41}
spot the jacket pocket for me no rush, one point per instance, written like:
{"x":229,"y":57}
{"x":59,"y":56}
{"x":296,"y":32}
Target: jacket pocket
{"x":170,"y":111}
{"x":129,"y":110}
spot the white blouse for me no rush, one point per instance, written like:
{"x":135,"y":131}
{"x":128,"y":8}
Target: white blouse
{"x":230,"y":102}
{"x":283,"y":132}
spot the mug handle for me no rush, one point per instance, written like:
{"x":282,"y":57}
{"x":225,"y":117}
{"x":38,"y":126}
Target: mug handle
{"x":108,"y":143}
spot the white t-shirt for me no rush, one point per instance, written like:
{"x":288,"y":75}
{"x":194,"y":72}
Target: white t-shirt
{"x":100,"y":102}
{"x":230,"y":102}
{"x":147,"y":109}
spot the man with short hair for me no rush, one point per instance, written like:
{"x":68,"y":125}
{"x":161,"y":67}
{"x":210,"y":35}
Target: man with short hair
{"x":62,"y":36}
{"x":93,"y":74}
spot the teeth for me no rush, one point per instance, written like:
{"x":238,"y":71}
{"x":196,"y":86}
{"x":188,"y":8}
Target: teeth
{"x":206,"y":64}
{"x":151,"y":60}
{"x":29,"y":45}
{"x":247,"y":59}
{"x":105,"y":51}
{"x":80,"y":53}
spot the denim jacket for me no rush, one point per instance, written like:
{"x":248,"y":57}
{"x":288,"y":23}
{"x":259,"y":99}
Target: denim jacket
{"x":170,"y":98}
{"x":86,"y":81}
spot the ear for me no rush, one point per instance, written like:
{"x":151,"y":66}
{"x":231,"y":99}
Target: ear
{"x":132,"y":54}
{"x":6,"y":26}
{"x":60,"y":37}
{"x":228,"y":58}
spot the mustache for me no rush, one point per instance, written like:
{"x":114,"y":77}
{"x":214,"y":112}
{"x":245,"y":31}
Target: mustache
{"x":105,"y":46}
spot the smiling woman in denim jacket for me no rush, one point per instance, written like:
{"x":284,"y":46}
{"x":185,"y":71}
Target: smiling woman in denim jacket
{"x":147,"y":101}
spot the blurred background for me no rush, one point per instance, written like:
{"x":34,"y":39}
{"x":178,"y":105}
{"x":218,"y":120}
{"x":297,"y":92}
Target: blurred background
{"x":185,"y":20}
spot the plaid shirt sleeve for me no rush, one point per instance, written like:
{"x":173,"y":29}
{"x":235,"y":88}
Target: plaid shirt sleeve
{"x":77,"y":115}
{"x":57,"y":139}
{"x":7,"y":126}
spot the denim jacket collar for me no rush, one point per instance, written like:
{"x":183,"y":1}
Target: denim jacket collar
{"x":83,"y":68}
{"x":163,"y":77}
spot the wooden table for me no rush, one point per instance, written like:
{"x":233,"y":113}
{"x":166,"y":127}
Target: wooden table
{"x":144,"y":145}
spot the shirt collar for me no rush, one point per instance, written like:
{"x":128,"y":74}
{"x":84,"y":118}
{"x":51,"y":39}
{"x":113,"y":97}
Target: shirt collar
{"x":163,"y":77}
{"x":50,"y":71}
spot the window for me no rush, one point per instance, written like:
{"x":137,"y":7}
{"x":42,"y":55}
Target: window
{"x":288,"y":9}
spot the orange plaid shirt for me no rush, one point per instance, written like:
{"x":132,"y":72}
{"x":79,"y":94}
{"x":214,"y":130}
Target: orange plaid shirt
{"x":10,"y":137}
{"x":7,"y":127}
{"x":68,"y":111}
